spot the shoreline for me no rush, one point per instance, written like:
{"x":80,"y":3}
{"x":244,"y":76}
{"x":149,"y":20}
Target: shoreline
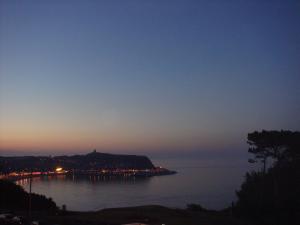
{"x":159,"y":171}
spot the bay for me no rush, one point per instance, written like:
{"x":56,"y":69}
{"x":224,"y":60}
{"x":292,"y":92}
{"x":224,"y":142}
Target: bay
{"x":209,"y":182}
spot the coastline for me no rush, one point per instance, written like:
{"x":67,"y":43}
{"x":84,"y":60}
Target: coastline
{"x":159,"y":171}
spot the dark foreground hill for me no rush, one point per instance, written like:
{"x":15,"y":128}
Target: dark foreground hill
{"x":149,"y":215}
{"x":14,"y":197}
{"x":94,"y":160}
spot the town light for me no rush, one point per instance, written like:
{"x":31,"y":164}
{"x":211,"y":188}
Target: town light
{"x":58,"y":169}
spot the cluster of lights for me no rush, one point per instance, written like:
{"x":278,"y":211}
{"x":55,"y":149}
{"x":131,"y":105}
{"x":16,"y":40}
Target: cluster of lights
{"x":60,"y":170}
{"x":34,"y":173}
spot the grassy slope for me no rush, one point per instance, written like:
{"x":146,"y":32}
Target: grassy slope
{"x":145,"y":214}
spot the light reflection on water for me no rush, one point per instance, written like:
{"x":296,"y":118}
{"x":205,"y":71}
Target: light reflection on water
{"x":196,"y":182}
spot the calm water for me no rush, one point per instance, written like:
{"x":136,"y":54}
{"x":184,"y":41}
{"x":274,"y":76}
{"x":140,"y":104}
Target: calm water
{"x":210,"y":183}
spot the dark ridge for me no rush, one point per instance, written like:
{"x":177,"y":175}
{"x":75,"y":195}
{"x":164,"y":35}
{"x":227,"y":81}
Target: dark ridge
{"x":94,"y":160}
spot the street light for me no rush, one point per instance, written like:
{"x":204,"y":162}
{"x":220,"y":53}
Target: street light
{"x":58,"y":169}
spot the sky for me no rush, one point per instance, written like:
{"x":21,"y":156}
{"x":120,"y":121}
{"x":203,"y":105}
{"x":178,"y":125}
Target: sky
{"x":146,"y":76}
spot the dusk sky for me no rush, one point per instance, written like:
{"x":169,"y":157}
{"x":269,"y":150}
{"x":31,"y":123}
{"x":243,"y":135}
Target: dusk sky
{"x":142,"y":76}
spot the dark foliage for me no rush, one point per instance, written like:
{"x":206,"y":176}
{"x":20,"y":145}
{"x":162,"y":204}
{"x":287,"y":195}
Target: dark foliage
{"x":14,"y":197}
{"x":272,"y":196}
{"x":195,"y":207}
{"x":280,"y":146}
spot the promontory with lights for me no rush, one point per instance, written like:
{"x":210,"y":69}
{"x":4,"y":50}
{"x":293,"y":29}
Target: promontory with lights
{"x":94,"y":163}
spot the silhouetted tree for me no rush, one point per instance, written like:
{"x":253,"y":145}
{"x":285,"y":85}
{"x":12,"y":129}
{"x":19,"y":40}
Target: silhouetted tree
{"x":272,"y":196}
{"x":280,"y":146}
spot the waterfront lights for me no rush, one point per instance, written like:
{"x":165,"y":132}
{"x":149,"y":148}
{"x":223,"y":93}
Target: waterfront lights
{"x":58,"y":169}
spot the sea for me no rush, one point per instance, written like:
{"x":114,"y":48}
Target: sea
{"x":210,"y":182}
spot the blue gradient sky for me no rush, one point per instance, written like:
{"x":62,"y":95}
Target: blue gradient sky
{"x":140,"y":76}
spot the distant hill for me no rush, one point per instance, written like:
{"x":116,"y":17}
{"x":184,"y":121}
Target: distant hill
{"x":93,"y":160}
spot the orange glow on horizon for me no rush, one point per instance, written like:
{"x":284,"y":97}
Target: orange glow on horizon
{"x":51,"y":137}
